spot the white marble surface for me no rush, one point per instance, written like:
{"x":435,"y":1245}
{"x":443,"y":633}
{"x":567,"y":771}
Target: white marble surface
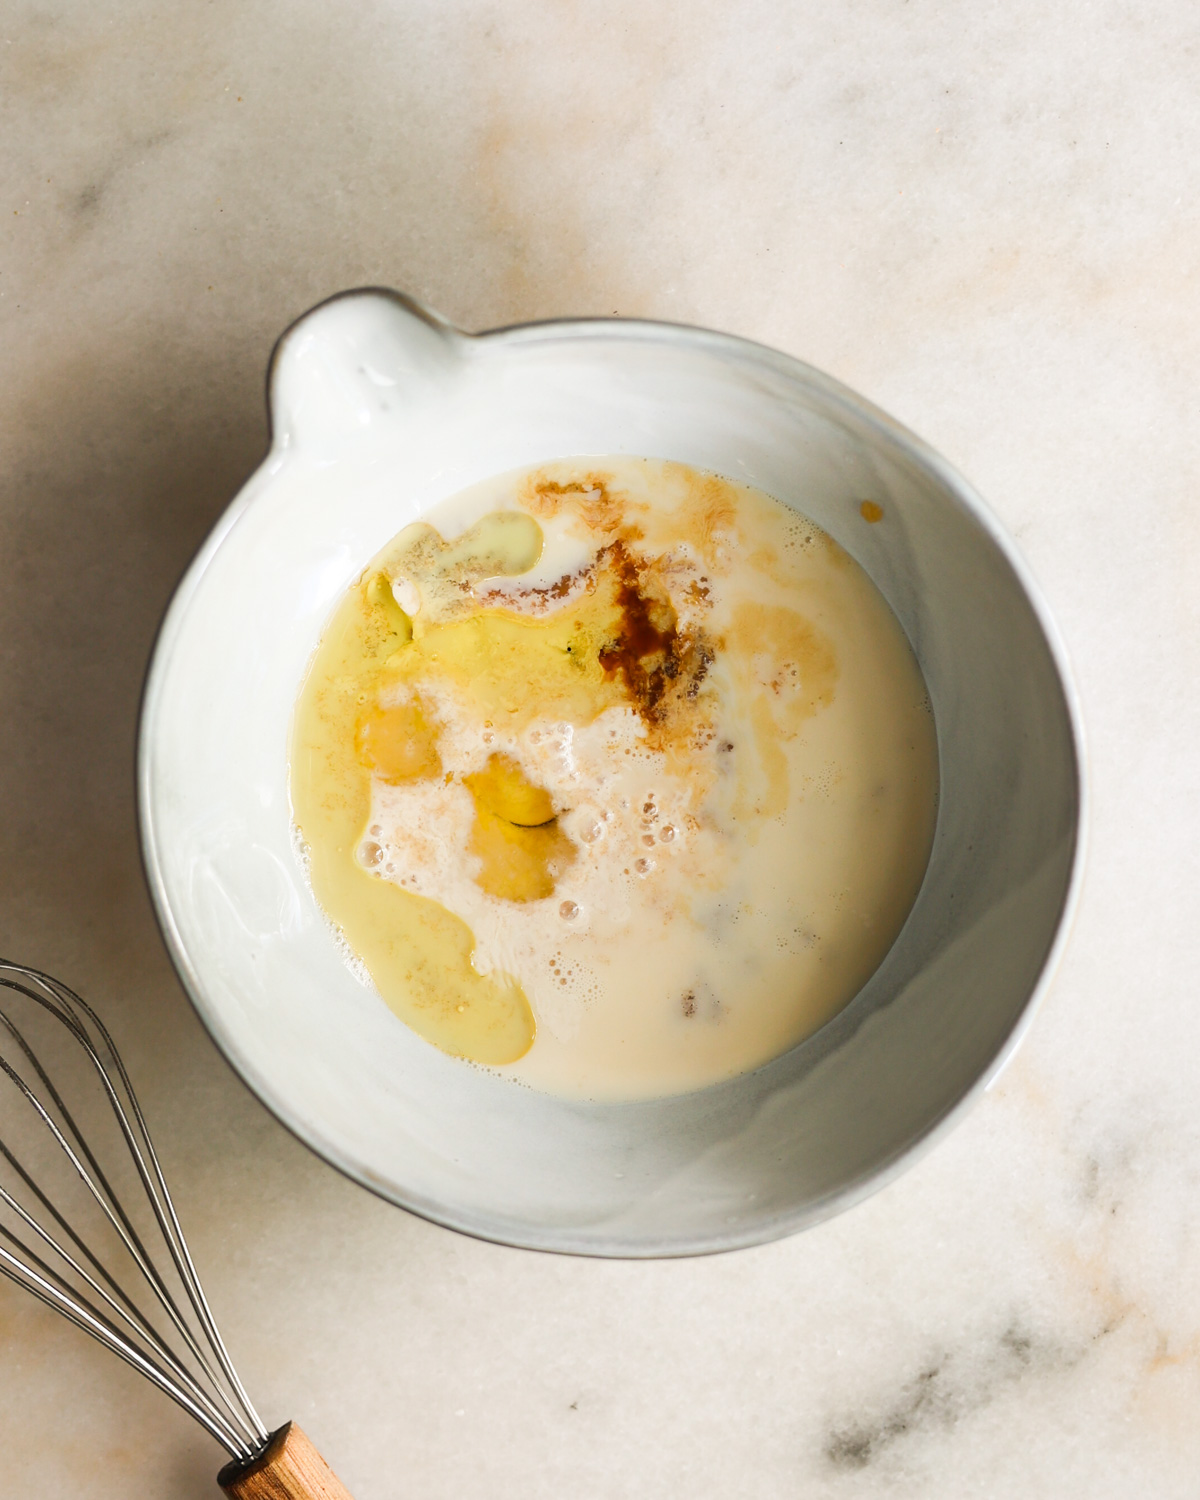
{"x":985,"y":217}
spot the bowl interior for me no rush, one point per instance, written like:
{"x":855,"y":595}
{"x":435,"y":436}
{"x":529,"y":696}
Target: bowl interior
{"x":378,"y":413}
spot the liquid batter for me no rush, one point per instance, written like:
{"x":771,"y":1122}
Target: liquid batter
{"x":615,"y":776}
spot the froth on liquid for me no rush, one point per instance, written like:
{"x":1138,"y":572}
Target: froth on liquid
{"x":615,"y":776}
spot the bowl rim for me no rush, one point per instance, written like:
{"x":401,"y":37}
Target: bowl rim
{"x":917,"y":451}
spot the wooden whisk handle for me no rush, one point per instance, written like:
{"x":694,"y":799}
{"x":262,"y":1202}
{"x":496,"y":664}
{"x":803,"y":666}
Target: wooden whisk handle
{"x":288,"y":1468}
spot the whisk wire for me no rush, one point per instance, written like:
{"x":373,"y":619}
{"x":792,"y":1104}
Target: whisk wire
{"x":175,"y":1239}
{"x":215,"y":1395}
{"x":100,"y":1269}
{"x":139,"y":1325}
{"x":119,"y":1220}
{"x":76,"y":1311}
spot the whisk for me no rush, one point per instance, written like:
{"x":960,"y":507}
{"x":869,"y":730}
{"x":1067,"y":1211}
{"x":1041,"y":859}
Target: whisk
{"x":78,"y":1153}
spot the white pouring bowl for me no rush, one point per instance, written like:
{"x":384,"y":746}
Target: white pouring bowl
{"x":379,"y":410}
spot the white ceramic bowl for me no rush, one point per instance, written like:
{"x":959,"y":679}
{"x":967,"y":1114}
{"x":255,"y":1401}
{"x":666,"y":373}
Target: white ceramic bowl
{"x":379,"y":410}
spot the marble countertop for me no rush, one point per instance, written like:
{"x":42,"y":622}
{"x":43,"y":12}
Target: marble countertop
{"x":985,"y":218}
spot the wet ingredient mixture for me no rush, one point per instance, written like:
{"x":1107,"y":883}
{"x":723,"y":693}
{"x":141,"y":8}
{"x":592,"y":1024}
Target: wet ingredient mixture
{"x":616,"y":776}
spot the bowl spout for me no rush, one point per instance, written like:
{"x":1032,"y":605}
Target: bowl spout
{"x":362,"y":360}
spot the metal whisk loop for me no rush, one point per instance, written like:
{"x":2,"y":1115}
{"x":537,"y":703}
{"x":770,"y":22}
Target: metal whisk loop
{"x":60,"y":1268}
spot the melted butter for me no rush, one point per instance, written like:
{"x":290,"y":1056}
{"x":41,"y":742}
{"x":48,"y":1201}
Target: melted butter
{"x":623,"y":757}
{"x":441,"y":576}
{"x":418,"y":953}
